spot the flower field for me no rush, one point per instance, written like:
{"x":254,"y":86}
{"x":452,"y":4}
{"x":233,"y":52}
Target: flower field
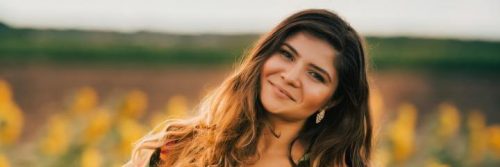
{"x":91,"y":132}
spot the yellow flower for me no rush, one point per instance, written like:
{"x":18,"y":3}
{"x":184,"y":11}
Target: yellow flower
{"x":177,"y":107}
{"x":5,"y":92}
{"x":477,"y":135}
{"x":57,"y":139}
{"x":494,"y":135}
{"x":11,"y":124}
{"x":91,"y":158}
{"x":129,"y":131}
{"x":98,"y":126}
{"x":4,"y":162}
{"x":135,"y":104}
{"x":11,"y":117}
{"x":449,"y":121}
{"x":402,"y":133}
{"x":85,"y":100}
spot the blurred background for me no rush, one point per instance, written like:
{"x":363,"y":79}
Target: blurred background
{"x":80,"y":81}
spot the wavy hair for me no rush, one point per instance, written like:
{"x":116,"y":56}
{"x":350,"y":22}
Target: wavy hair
{"x":231,"y":118}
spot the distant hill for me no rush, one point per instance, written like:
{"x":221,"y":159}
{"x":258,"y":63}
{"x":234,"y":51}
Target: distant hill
{"x":3,"y":26}
{"x":32,"y":46}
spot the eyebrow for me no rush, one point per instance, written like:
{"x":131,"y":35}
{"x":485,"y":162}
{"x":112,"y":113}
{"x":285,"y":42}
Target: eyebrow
{"x":313,"y":65}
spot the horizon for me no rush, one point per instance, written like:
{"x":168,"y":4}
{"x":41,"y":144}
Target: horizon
{"x":446,"y":19}
{"x":238,"y":34}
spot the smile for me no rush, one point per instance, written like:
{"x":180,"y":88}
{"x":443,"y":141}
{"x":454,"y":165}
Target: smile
{"x":282,"y":91}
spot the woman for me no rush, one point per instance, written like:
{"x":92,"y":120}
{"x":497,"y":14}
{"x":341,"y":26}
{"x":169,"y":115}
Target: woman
{"x":299,"y":98}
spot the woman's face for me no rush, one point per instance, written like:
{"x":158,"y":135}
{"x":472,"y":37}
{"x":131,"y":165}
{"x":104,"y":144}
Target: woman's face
{"x":299,"y":79}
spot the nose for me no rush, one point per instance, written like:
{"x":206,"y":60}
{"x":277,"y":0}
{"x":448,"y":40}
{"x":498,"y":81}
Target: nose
{"x":291,"y":76}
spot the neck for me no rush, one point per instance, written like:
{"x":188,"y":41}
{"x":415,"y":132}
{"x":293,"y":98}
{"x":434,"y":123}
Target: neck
{"x":285,"y":132}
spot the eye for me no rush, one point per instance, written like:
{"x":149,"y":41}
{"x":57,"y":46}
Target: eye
{"x":286,"y":54}
{"x":317,"y":76}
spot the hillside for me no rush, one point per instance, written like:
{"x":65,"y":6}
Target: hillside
{"x":32,"y":46}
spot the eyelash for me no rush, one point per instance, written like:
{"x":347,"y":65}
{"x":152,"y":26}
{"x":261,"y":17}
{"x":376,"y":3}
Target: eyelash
{"x":317,"y":76}
{"x":286,"y":54}
{"x":290,"y":57}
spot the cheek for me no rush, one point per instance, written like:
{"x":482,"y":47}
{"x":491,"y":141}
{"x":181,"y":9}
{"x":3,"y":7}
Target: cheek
{"x":315,"y":98}
{"x":272,"y":65}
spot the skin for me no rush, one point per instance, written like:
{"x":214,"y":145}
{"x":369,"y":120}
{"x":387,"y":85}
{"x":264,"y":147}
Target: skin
{"x":303,"y":68}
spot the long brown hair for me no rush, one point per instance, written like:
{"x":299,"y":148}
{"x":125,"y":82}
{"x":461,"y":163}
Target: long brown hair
{"x":231,"y":118}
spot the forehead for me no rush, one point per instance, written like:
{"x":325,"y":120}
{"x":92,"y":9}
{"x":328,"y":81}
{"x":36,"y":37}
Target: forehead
{"x":314,"y":50}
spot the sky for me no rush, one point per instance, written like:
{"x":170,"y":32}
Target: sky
{"x":463,"y":19}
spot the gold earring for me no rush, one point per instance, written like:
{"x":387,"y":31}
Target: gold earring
{"x":320,"y":116}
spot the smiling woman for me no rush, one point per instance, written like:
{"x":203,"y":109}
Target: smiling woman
{"x":302,"y":71}
{"x":299,"y":98}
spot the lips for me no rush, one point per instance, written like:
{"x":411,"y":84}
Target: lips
{"x":283,"y":91}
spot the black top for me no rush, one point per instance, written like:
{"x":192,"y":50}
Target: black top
{"x":304,"y":161}
{"x":155,"y":159}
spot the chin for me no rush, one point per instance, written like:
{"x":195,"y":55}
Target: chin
{"x":269,"y":105}
{"x":274,"y":107}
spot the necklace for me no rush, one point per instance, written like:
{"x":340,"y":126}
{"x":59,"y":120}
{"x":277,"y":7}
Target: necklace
{"x":275,"y":134}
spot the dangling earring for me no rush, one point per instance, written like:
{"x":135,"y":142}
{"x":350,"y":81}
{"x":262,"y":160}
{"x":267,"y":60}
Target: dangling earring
{"x":320,"y":116}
